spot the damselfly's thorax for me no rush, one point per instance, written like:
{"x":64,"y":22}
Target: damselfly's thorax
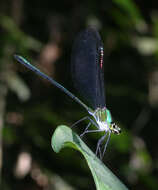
{"x":104,"y":120}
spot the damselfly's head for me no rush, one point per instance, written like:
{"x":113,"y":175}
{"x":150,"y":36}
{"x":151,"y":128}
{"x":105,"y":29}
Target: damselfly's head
{"x":114,"y":128}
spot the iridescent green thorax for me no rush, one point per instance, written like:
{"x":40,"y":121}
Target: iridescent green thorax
{"x":109,"y":117}
{"x":104,"y":120}
{"x":103,"y":114}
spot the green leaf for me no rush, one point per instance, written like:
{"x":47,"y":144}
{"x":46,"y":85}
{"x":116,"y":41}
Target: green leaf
{"x":131,"y":7}
{"x":103,"y":177}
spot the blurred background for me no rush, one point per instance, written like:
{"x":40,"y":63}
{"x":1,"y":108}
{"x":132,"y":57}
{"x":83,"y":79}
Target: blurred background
{"x":31,"y":108}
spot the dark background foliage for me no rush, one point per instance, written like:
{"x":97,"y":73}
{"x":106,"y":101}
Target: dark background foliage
{"x":31,"y":108}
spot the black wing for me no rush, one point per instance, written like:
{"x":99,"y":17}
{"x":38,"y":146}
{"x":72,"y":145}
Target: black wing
{"x":87,"y":67}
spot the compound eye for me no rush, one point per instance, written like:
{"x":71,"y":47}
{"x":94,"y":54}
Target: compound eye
{"x":115,"y":129}
{"x":113,"y":125}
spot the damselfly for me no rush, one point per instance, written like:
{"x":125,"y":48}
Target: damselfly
{"x":88,"y":75}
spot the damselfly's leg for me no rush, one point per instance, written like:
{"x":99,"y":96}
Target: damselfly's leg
{"x":84,"y":118}
{"x":100,"y":153}
{"x":85,"y":129}
{"x":91,"y":131}
{"x":99,"y":143}
{"x":75,"y":124}
{"x":106,"y":143}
